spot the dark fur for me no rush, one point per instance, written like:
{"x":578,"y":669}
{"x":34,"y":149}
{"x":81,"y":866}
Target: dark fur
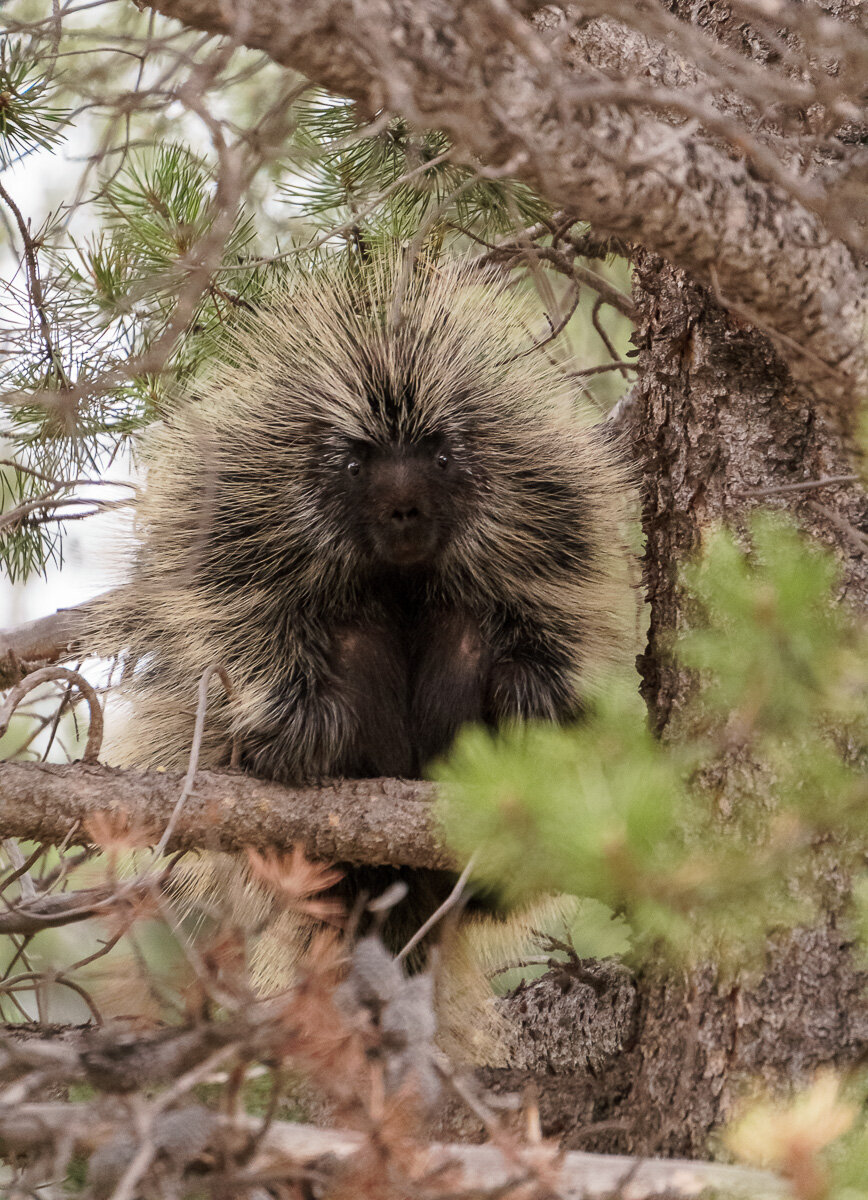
{"x":382,"y":532}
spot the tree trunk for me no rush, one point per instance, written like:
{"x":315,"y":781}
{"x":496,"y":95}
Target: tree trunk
{"x":721,"y":417}
{"x":654,"y":1067}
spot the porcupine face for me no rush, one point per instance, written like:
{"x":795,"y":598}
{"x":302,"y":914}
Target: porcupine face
{"x":401,"y":499}
{"x":393,"y":464}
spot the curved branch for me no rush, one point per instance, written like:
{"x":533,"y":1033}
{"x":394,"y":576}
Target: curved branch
{"x":47,"y":675}
{"x":530,"y":98}
{"x":371,"y":821}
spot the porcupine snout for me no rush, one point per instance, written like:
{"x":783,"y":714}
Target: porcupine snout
{"x":405,"y":515}
{"x":407,"y":530}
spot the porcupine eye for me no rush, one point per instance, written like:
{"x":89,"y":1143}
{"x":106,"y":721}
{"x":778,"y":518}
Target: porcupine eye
{"x":354,"y":466}
{"x":443,"y":461}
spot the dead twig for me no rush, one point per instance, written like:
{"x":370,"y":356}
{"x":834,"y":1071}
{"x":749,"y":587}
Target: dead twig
{"x":46,"y":675}
{"x":806,"y":485}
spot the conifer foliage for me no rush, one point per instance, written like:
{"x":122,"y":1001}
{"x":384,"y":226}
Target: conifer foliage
{"x":199,"y":173}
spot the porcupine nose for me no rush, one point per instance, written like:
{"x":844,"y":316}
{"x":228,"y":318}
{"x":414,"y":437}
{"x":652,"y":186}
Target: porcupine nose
{"x":405,"y":516}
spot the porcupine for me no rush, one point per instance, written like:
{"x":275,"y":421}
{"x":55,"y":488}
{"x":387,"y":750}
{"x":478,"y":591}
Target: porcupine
{"x":384,"y":520}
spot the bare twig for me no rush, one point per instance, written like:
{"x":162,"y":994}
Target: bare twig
{"x":454,"y":897}
{"x":806,"y":485}
{"x":604,"y":337}
{"x":854,"y":536}
{"x":621,"y":364}
{"x":35,"y":286}
{"x":66,"y":908}
{"x":196,"y":746}
{"x":46,"y":675}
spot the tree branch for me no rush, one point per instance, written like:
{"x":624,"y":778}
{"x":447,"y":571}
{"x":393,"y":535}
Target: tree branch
{"x":482,"y":1170}
{"x":530,"y":99}
{"x":42,"y":641}
{"x":372,"y":821}
{"x":65,"y":908}
{"x":289,"y":1150}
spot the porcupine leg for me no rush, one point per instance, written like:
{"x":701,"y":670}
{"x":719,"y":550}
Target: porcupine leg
{"x":449,"y":662}
{"x":530,"y":680}
{"x":371,"y":668}
{"x":345,"y":715}
{"x":371,"y":675}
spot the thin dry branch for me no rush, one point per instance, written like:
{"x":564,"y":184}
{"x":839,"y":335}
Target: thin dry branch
{"x":372,"y":821}
{"x":34,"y":283}
{"x":46,"y":675}
{"x":50,"y":912}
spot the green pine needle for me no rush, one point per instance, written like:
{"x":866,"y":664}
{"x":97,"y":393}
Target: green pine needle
{"x":27,"y":120}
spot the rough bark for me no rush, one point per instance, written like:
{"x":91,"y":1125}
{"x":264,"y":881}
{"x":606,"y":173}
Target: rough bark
{"x":44,"y":640}
{"x":530,"y":100}
{"x":719,"y":415}
{"x":372,"y":821}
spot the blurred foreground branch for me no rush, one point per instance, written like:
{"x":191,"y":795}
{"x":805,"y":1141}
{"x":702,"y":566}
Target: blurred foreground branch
{"x":292,"y":1151}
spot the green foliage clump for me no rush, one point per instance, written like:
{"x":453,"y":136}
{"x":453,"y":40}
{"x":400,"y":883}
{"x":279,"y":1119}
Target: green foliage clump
{"x":28,"y":116}
{"x":707,"y":845}
{"x":391,"y":185}
{"x":772,"y":633}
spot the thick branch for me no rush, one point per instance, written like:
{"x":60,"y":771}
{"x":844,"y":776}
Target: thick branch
{"x":42,"y":641}
{"x":512,"y":94}
{"x":372,"y":821}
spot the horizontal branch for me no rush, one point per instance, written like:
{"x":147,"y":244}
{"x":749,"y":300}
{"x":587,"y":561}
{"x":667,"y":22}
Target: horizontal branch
{"x":371,"y":821}
{"x":528,"y":101}
{"x":66,"y":908}
{"x":482,"y":1170}
{"x":42,"y":641}
{"x":288,"y":1150}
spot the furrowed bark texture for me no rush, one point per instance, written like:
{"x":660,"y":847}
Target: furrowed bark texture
{"x":718,"y":415}
{"x":531,"y":99}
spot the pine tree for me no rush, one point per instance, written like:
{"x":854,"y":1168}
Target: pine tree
{"x":724,"y":834}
